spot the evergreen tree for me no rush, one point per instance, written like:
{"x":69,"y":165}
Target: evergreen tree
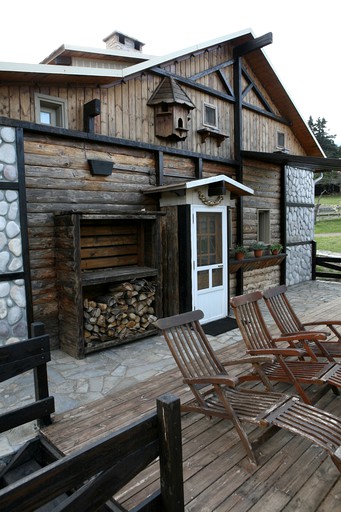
{"x":326,"y":141}
{"x":331,"y":180}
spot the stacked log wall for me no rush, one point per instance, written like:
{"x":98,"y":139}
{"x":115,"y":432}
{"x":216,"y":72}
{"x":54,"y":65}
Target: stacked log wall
{"x":58,"y":179}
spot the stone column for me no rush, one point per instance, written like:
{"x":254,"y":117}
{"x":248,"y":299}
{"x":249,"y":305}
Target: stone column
{"x":300,"y":224}
{"x":13,"y":323}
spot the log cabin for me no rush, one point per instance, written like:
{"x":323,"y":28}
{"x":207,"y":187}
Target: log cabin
{"x":127,"y":179}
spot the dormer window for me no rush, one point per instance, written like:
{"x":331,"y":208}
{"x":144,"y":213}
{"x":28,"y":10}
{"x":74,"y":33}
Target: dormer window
{"x":210,"y":116}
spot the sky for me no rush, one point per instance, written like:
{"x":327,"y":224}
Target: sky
{"x":304,"y":53}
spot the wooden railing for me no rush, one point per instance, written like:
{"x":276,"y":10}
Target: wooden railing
{"x":95,"y":473}
{"x":18,"y":358}
{"x":328,"y":263}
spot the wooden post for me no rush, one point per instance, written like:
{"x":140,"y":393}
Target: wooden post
{"x":171,"y":472}
{"x":313,"y":260}
{"x":41,"y":386}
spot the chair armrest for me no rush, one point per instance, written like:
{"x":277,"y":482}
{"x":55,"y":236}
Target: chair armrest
{"x":216,"y":379}
{"x":279,"y":352}
{"x":332,"y":325}
{"x":324,"y":322}
{"x":250,"y":360}
{"x":300,"y":336}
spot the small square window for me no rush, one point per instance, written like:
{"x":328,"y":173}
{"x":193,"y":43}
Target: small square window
{"x":264,"y":231}
{"x":210,"y":115}
{"x":280,"y":140}
{"x":50,"y":110}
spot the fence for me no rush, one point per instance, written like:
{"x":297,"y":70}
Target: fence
{"x":328,"y":263}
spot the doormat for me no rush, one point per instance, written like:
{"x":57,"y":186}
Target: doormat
{"x":220,"y":326}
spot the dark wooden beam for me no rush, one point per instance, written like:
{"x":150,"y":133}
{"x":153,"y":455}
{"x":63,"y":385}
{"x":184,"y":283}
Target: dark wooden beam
{"x":198,"y":168}
{"x":159,"y":167}
{"x":250,"y":46}
{"x":95,"y":137}
{"x":90,"y":111}
{"x":193,"y":85}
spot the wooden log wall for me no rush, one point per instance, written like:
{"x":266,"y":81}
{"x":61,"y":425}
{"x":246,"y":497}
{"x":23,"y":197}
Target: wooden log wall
{"x":266,"y":197}
{"x":58,"y":179}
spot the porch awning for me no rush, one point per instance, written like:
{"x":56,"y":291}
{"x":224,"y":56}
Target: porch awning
{"x":232,"y":185}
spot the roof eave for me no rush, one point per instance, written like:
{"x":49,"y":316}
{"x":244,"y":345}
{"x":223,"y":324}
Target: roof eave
{"x":230,"y":184}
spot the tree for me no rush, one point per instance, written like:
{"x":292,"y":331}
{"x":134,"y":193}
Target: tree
{"x":331,"y":181}
{"x":326,"y":141}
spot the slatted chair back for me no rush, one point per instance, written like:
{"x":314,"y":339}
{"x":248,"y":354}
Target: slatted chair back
{"x":188,"y":345}
{"x":281,"y":310}
{"x":251,"y":322}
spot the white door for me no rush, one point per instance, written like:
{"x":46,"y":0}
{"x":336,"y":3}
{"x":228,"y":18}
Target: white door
{"x":209,"y":261}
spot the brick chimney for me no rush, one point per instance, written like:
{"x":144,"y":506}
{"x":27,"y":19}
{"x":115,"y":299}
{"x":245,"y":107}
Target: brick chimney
{"x":118,"y":41}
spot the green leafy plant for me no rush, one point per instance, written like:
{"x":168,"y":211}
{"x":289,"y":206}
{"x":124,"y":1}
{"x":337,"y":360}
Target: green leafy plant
{"x":257,"y":246}
{"x":276,"y":247}
{"x":241,"y":249}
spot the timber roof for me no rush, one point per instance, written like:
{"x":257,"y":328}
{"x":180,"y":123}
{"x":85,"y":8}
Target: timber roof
{"x":230,"y":184}
{"x":101,"y":77}
{"x":311,"y":163}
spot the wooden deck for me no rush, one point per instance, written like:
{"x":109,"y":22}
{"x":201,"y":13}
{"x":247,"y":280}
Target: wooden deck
{"x":292,"y":473}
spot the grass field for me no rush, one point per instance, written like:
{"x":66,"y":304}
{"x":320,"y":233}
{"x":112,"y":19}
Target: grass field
{"x":328,"y":200}
{"x":324,"y":227}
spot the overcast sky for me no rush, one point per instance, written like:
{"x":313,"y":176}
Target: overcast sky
{"x":305,"y":52}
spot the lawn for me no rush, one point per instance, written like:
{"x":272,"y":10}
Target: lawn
{"x":328,"y":226}
{"x":331,"y":227}
{"x":328,"y":200}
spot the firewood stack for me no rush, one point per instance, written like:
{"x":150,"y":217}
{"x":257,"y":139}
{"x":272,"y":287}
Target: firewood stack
{"x":125,"y":311}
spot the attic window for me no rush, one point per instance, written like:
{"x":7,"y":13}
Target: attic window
{"x":121,"y":38}
{"x":50,"y":110}
{"x":210,"y":116}
{"x":280,"y":140}
{"x":137,"y":46}
{"x":264,"y":229}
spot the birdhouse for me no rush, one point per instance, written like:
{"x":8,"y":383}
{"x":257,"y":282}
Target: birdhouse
{"x":172,"y":109}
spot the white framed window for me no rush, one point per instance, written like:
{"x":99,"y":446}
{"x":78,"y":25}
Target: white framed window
{"x":264,"y":231}
{"x":280,"y":142}
{"x":210,"y":115}
{"x":50,"y":110}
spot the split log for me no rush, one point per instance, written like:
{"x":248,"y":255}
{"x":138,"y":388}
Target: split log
{"x":126,"y":310}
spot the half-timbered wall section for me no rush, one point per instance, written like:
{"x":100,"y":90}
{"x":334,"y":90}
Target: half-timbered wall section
{"x":206,"y":77}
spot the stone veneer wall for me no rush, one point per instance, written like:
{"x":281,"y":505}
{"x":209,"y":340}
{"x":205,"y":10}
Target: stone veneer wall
{"x":300,"y":224}
{"x":13,"y":321}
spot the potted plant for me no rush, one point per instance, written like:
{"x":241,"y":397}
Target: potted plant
{"x":257,"y":248}
{"x":239,"y":252}
{"x":276,"y":248}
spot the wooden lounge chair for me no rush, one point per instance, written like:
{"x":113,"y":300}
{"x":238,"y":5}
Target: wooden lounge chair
{"x":288,"y":323}
{"x":290,"y":365}
{"x":218,"y":394}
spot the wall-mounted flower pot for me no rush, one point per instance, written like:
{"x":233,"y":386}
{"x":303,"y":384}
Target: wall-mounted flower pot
{"x":100,"y":167}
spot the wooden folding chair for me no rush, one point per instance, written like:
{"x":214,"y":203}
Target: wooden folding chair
{"x":290,"y":365}
{"x":218,"y":394}
{"x":288,"y":323}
